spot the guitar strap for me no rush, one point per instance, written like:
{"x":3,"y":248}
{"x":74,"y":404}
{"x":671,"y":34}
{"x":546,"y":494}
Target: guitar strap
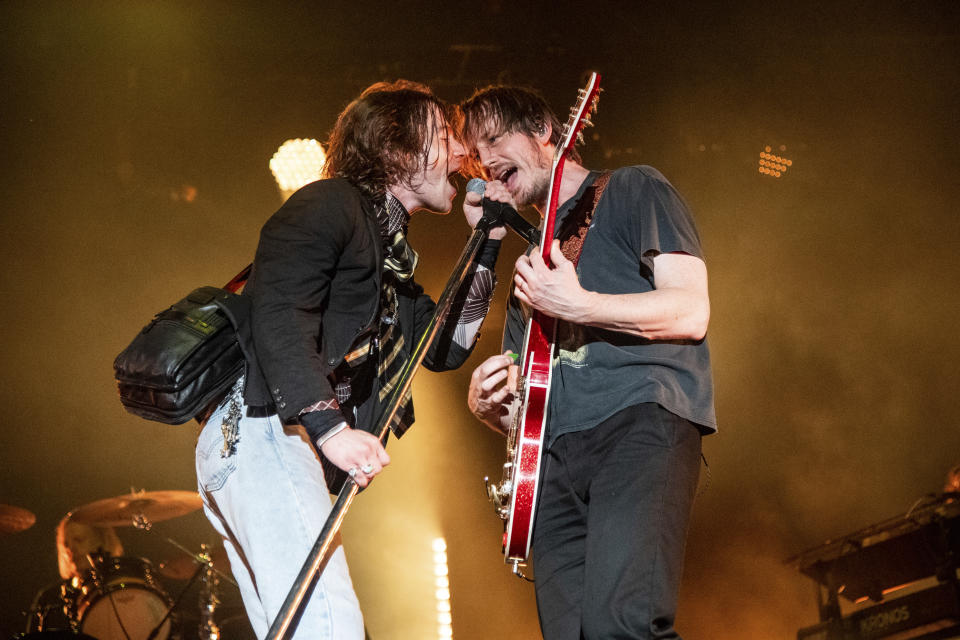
{"x":574,"y":229}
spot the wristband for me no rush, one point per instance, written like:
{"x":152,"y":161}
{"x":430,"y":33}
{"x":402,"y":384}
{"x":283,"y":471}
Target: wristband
{"x":489,"y":251}
{"x":329,"y":434}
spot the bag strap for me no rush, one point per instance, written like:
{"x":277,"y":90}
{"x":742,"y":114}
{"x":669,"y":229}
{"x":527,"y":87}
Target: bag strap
{"x":577,"y":223}
{"x":239,"y":280}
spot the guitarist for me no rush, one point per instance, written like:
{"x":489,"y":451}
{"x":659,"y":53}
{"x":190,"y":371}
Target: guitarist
{"x":631,"y":390}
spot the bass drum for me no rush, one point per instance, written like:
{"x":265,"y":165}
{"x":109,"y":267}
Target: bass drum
{"x":121,"y":600}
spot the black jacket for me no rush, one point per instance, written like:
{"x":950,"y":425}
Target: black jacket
{"x":314,"y":289}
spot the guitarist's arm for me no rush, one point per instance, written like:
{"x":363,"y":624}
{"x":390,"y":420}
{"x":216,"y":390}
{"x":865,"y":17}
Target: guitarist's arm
{"x":678,"y":309}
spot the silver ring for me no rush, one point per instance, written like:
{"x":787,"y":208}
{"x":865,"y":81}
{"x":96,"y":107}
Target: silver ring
{"x":367,"y":468}
{"x":352,"y":472}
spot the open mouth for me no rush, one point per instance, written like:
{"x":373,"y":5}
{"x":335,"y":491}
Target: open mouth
{"x":506,"y":176}
{"x":452,"y":183}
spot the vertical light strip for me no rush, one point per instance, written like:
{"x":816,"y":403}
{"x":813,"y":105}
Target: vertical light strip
{"x":442,"y":582}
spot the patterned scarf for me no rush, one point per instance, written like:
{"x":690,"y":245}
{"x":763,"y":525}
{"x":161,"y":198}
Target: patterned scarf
{"x":400,"y":260}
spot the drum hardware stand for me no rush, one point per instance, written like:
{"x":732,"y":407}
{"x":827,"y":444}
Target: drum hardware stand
{"x":203,"y":558}
{"x":153,"y":633}
{"x":208,"y":597}
{"x":70,"y":604}
{"x":210,"y":578}
{"x":141,"y":522}
{"x":309,"y":573}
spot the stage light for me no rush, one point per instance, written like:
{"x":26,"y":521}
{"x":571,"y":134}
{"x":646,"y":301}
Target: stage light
{"x":296,"y":163}
{"x":773,"y":165}
{"x":440,"y":570}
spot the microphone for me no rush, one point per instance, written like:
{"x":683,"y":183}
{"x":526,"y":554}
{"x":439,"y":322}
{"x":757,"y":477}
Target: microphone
{"x":477,"y":185}
{"x":502,"y":213}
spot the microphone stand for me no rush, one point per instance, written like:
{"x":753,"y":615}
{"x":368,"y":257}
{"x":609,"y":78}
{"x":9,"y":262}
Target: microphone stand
{"x":503,"y":213}
{"x":311,"y":566}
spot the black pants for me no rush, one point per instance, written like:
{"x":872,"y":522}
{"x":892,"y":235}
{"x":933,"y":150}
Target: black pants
{"x":611,"y":526}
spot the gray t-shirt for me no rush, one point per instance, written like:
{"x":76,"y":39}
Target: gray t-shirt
{"x":596,"y":372}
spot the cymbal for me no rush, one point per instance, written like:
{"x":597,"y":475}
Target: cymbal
{"x":131,"y":509}
{"x":15,"y":519}
{"x":182,"y":566}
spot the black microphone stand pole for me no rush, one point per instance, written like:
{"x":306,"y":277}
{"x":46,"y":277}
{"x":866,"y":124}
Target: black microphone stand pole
{"x":311,"y":567}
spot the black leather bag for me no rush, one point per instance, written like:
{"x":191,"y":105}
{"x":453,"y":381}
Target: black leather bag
{"x":186,"y":357}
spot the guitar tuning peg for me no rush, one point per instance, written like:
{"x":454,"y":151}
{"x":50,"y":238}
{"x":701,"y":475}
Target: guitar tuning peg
{"x":586,"y":121}
{"x":580,"y":138}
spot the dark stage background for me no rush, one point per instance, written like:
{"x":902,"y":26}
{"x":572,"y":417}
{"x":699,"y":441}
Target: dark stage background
{"x":833,"y":287}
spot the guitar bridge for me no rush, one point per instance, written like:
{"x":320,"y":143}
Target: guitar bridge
{"x":499,"y":494}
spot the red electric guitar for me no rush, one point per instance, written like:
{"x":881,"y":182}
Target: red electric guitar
{"x":515,"y":497}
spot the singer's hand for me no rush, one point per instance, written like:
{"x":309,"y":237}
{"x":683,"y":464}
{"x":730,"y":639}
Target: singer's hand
{"x":473,"y":210}
{"x":357,"y":451}
{"x":497,"y":191}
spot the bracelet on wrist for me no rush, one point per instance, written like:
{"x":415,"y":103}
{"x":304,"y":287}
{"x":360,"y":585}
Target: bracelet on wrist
{"x":329,"y":434}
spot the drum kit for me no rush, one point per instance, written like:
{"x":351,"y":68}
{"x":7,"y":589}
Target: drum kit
{"x":115,"y":597}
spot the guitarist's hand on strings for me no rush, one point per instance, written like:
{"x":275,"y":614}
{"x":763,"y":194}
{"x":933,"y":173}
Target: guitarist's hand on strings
{"x":358,"y":453}
{"x":492,"y":388}
{"x":554,"y":291}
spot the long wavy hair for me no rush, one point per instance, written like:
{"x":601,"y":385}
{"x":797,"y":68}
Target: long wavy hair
{"x":103,"y":538}
{"x":384,"y":136}
{"x":496,"y":110}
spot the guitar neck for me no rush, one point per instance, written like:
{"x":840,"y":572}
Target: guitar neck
{"x":549,"y":219}
{"x":572,"y":131}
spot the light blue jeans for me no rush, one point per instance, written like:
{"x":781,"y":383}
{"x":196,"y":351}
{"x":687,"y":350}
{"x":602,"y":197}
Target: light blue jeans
{"x":268,"y":501}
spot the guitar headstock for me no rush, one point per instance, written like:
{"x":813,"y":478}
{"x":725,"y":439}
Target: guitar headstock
{"x":580,"y":116}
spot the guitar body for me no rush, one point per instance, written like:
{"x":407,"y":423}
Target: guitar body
{"x":528,"y":433}
{"x":515,"y":498}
